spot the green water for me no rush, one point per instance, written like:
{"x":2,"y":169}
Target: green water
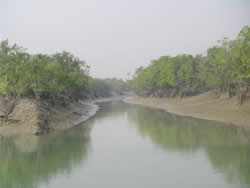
{"x":131,"y":147}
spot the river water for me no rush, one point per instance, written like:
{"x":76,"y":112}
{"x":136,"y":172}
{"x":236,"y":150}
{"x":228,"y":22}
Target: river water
{"x":130,"y":146}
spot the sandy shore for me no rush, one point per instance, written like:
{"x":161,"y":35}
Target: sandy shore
{"x":208,"y":106}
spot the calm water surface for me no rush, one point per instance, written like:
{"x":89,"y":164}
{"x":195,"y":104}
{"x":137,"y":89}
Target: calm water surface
{"x":132,"y":147}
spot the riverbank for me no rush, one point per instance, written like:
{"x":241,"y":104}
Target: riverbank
{"x":36,"y":118}
{"x":210,"y":106}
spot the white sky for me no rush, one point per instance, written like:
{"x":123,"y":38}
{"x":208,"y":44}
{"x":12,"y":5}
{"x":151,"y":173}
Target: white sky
{"x":116,"y":36}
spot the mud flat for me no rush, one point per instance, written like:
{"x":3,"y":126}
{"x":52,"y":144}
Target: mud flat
{"x":37,"y":118}
{"x":210,"y":106}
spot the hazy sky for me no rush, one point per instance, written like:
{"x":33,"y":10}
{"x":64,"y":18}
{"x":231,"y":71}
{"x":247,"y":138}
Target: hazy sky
{"x":116,"y":36}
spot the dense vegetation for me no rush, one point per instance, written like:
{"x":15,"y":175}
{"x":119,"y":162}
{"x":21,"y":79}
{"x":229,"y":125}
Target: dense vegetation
{"x":225,"y":67}
{"x":22,"y":74}
{"x":49,"y":76}
{"x":106,"y":87}
{"x":52,"y":79}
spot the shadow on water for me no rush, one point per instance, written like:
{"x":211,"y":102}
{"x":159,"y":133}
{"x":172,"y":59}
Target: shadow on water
{"x":227,"y":147}
{"x":26,"y":162}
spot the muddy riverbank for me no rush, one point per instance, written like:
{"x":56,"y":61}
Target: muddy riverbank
{"x":38,"y":118}
{"x":208,"y":106}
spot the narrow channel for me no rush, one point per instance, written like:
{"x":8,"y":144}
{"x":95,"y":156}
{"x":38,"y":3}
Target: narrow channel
{"x":130,"y":146}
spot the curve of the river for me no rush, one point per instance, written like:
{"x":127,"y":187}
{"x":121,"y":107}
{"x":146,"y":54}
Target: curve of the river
{"x":130,"y":146}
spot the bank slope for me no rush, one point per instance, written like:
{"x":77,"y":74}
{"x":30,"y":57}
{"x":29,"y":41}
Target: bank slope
{"x":210,"y":106}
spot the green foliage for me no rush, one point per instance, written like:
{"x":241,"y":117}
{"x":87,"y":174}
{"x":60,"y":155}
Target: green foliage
{"x":224,"y":65}
{"x":99,"y":88}
{"x":167,"y":72}
{"x":105,"y":87}
{"x":23,"y":74}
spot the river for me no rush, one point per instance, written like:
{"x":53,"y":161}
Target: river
{"x":129,"y":146}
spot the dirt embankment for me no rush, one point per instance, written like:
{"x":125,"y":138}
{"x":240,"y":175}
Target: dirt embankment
{"x":33,"y":117}
{"x":209,"y":106}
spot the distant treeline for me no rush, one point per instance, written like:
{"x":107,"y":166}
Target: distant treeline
{"x":49,"y":76}
{"x":225,"y":67}
{"x":106,"y":87}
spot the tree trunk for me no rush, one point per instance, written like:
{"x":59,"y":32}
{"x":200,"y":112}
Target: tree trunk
{"x":9,"y":105}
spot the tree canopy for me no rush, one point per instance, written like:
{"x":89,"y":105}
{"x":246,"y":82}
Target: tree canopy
{"x":225,"y":66}
{"x":22,"y":74}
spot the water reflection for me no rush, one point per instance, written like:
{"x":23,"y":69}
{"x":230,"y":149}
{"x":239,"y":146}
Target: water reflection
{"x":111,"y":109}
{"x":26,"y":162}
{"x":120,"y":155}
{"x":226,"y":147}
